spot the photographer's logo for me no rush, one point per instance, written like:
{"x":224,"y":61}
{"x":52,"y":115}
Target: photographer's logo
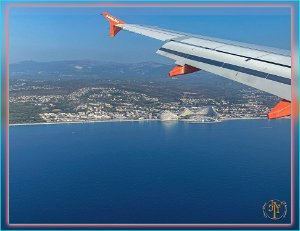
{"x":275,"y":209}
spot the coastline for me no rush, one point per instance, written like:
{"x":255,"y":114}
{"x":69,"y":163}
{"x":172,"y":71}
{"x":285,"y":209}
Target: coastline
{"x":145,"y":120}
{"x":82,"y":122}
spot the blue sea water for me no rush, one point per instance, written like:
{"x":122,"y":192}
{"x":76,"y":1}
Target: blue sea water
{"x":149,"y":172}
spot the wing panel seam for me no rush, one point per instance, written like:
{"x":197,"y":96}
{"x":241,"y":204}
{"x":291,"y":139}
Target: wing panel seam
{"x":225,"y":52}
{"x":228,"y":66}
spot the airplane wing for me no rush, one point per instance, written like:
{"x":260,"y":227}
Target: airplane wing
{"x":267,"y":69}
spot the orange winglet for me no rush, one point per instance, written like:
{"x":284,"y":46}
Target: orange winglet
{"x":283,"y":108}
{"x":113,"y":22}
{"x":182,"y":70}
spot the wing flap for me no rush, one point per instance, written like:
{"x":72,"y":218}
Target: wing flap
{"x":214,"y":56}
{"x":252,"y":74}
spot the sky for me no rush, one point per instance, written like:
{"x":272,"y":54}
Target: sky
{"x":76,"y":33}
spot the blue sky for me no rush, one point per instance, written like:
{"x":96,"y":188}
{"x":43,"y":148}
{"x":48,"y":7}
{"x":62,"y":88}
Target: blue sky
{"x":64,"y":33}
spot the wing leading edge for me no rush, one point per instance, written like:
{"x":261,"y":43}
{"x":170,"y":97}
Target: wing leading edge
{"x":267,"y":69}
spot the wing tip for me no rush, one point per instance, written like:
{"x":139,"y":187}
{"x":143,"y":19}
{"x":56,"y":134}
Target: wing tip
{"x":113,"y":21}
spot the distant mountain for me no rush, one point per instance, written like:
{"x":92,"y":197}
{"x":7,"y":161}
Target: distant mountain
{"x":87,"y":68}
{"x":91,"y":69}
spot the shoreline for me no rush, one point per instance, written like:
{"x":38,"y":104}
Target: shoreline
{"x":81,"y":122}
{"x":145,"y":120}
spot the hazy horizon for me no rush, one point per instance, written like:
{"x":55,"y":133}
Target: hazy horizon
{"x":91,"y":60}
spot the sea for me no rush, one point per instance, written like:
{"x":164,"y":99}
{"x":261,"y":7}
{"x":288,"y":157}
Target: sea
{"x":149,"y":172}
